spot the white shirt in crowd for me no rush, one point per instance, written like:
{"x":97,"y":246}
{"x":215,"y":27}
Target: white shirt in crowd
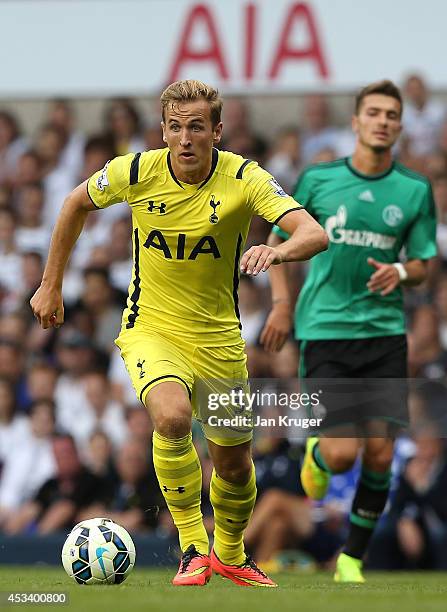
{"x":422,"y":126}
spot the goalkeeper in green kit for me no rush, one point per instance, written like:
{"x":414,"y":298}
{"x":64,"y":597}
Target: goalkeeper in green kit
{"x":349,"y":317}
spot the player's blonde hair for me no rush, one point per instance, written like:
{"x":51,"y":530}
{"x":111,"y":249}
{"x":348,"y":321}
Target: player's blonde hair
{"x":190,"y":91}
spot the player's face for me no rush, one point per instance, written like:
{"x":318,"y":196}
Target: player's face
{"x":190,"y":136}
{"x":378,"y":122}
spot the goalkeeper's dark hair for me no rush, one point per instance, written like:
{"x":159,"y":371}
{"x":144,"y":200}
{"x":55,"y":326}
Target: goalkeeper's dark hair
{"x":384,"y":87}
{"x":190,"y":91}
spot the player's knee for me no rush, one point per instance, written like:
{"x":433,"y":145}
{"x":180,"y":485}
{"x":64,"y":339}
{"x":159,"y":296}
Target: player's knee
{"x":173,"y":422}
{"x":236,"y":472}
{"x":339,"y":459}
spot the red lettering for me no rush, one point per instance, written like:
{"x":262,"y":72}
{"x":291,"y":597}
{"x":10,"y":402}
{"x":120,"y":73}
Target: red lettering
{"x":250,"y":29}
{"x":287,"y":51}
{"x":186,"y":52}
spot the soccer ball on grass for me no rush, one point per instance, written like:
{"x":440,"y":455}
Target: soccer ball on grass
{"x":98,"y":551}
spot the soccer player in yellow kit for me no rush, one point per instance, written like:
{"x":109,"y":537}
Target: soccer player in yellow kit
{"x":191,"y":209}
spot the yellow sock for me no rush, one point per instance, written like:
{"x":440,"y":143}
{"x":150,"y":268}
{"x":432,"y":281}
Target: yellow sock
{"x":180,"y":477}
{"x":233,"y":505}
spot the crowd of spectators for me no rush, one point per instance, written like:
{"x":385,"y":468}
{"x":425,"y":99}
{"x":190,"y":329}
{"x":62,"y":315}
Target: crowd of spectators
{"x":74,"y":439}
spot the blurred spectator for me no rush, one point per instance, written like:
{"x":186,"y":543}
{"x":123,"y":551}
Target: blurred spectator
{"x":60,"y":499}
{"x":58,"y":179}
{"x":441,"y":309}
{"x":12,"y":146}
{"x":13,"y":427}
{"x":425,"y":354}
{"x":61,"y":116}
{"x":100,"y":412}
{"x":29,"y":169}
{"x":238,"y":135}
{"x":10,"y":259}
{"x":41,"y":381}
{"x":122,"y":389}
{"x":31,"y":464}
{"x":414,"y":533}
{"x":137,"y":496}
{"x":98,"y":457}
{"x":153,"y":138}
{"x":31,"y":233}
{"x":285,"y":159}
{"x":75,"y":356}
{"x":124,"y":126}
{"x":12,"y":368}
{"x":281,"y":504}
{"x":100,"y":302}
{"x":252,"y":310}
{"x":422,"y":117}
{"x":98,"y":151}
{"x":13,"y":327}
{"x":139,"y":425}
{"x":317,"y":133}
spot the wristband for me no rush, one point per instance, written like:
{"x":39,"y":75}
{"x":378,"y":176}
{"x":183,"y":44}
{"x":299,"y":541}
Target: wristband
{"x":280,"y":301}
{"x":403,"y":274}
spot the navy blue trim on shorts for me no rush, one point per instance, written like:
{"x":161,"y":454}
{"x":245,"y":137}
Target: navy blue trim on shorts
{"x":160,"y":378}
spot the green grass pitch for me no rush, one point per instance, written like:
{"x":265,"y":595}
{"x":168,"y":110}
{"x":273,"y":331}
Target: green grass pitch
{"x":151,"y":591}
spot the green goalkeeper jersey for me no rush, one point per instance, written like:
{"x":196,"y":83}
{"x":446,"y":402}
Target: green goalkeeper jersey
{"x":364,"y":216}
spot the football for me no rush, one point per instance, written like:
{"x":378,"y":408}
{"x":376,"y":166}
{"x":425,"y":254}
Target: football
{"x":98,"y":551}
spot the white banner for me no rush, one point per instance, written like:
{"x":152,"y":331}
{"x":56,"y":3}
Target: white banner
{"x":103,"y":47}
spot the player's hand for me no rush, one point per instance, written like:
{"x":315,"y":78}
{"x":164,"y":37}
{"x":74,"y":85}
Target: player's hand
{"x":47,"y":307}
{"x":385,"y":279}
{"x":259,"y":258}
{"x":277,"y":327}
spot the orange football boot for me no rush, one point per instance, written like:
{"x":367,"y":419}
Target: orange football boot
{"x":195,"y":569}
{"x":247,"y":574}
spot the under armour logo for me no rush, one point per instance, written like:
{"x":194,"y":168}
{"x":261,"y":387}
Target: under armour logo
{"x":178,"y":489}
{"x":213,"y":217}
{"x":140,"y":365}
{"x":152,"y":207}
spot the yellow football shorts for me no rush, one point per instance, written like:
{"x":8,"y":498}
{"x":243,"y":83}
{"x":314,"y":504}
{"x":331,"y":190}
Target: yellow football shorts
{"x":215,"y":379}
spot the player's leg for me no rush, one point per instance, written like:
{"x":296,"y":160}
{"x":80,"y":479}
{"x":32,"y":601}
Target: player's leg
{"x":382,"y":373}
{"x":321,"y":362}
{"x":326,"y":456}
{"x":162,"y":380}
{"x":176,"y":462}
{"x":368,"y":504}
{"x":233,"y":497}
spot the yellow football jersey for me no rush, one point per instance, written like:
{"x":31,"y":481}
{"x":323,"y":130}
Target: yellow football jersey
{"x":188,"y":239}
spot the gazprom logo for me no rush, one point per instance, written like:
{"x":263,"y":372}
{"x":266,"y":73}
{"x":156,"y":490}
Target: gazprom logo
{"x":338,"y":234}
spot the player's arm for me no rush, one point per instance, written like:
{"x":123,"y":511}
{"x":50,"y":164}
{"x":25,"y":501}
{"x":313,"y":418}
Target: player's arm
{"x":106,"y":187}
{"x":420,"y":247}
{"x":305,"y":236}
{"x":279,"y":322}
{"x":46,"y":303}
{"x":388,"y":276}
{"x":306,"y":239}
